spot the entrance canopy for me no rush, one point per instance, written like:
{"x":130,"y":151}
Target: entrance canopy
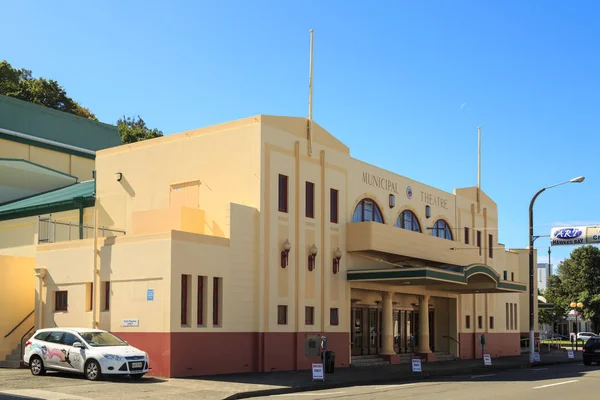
{"x":21,"y":178}
{"x":473,"y":278}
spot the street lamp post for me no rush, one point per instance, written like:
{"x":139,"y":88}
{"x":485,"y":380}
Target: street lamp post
{"x":575,"y":306}
{"x":531,"y":269}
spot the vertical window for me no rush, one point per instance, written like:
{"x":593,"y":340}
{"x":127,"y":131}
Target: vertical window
{"x":309,"y":315}
{"x":106,"y":296}
{"x":516,"y":319}
{"x":310,"y":200}
{"x":468,"y":322}
{"x":511,"y":317}
{"x":217,"y":289}
{"x":282,"y":315}
{"x":466,"y":235}
{"x":491,"y":322}
{"x":479,"y":241}
{"x":507,"y":318}
{"x":91,"y":301}
{"x":491,"y":246}
{"x":200,"y":301}
{"x":512,"y":276}
{"x":184,"y":299}
{"x":334,"y":317}
{"x":283,"y":193}
{"x":61,"y":300}
{"x":505,"y":275}
{"x":480,"y":322}
{"x":333,"y":206}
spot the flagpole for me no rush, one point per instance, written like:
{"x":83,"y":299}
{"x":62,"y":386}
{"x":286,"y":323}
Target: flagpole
{"x":310,"y":88}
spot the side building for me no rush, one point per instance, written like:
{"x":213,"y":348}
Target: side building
{"x":43,"y":154}
{"x":245,"y":242}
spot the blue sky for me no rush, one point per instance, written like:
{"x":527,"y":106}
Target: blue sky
{"x":403,"y":84}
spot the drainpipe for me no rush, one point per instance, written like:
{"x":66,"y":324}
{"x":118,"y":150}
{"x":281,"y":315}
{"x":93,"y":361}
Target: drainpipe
{"x":40,"y":273}
{"x":80,"y":222}
{"x":95,"y":314}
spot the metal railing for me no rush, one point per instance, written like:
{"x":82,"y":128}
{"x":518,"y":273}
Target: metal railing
{"x":23,"y":338}
{"x":19,"y":324}
{"x":47,"y":230}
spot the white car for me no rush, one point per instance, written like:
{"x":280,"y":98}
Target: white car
{"x":91,"y":352}
{"x":585,"y":336}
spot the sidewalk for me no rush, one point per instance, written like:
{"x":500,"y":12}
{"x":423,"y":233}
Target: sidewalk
{"x":262,"y":384}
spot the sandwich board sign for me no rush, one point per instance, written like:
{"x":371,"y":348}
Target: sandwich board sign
{"x":416,"y":365}
{"x":487,"y":359}
{"x":536,"y":357}
{"x":317,"y":372}
{"x":570,"y":354}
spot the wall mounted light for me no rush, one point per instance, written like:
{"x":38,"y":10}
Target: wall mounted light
{"x":118,"y":176}
{"x":337,"y":255}
{"x":392,"y":201}
{"x":284,"y":253}
{"x":427,"y":212}
{"x":312,"y":254}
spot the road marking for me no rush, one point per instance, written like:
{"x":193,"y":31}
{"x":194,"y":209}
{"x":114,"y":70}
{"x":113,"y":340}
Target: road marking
{"x":316,"y":393}
{"x":389,"y":386}
{"x":556,"y":384}
{"x":481,"y":376}
{"x":42,"y":394}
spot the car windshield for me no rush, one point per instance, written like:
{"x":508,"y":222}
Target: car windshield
{"x":101,"y":339}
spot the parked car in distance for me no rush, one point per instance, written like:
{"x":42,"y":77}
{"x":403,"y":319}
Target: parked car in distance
{"x":585,"y":335}
{"x":92,"y":352}
{"x":591,"y":350}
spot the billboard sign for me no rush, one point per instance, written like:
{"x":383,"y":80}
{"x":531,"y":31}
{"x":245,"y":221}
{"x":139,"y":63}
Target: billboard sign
{"x":573,"y":235}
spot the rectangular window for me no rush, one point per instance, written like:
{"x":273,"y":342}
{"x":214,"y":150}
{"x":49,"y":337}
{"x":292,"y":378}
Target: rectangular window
{"x":61,"y":300}
{"x":491,"y":246}
{"x":106,"y":296}
{"x":507,"y":317}
{"x":516,"y":319}
{"x":334,"y":317}
{"x":333,"y":212}
{"x":505,"y":275}
{"x":466,"y":235}
{"x":309,"y":315}
{"x":184,"y":299}
{"x":512,"y":276}
{"x":91,"y":299}
{"x":511,"y":317}
{"x":491,"y":322}
{"x":200,"y":301}
{"x":283,"y":193}
{"x":468,"y":322}
{"x":217,"y":297}
{"x":310,"y":200}
{"x":282,"y":315}
{"x":480,"y":322}
{"x":479,"y":241}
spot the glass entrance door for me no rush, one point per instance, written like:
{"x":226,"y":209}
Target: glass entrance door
{"x":365,"y":327}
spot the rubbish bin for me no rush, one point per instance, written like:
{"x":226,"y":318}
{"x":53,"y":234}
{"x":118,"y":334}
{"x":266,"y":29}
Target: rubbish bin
{"x":329,"y":362}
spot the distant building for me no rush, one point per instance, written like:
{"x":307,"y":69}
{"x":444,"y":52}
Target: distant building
{"x":544,"y":270}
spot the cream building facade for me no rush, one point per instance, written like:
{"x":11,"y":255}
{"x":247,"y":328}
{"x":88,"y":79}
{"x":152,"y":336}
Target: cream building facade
{"x":244,"y":241}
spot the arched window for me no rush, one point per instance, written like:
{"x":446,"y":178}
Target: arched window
{"x":442,"y":230}
{"x":408,"y":220}
{"x":367,"y":210}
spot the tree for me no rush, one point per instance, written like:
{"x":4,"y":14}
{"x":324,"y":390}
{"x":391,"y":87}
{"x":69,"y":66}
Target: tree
{"x":578,"y":280}
{"x":20,"y":84}
{"x":133,"y":130}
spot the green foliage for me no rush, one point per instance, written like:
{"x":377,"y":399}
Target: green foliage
{"x":133,"y":130}
{"x":577,"y":280}
{"x":20,"y":84}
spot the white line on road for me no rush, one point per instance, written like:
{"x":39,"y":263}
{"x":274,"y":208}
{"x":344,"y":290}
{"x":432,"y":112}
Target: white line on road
{"x":481,"y":376}
{"x":555,"y":384}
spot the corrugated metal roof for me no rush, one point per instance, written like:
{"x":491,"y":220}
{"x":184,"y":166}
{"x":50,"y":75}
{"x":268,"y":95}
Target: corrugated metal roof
{"x":67,"y":197}
{"x":46,"y":123}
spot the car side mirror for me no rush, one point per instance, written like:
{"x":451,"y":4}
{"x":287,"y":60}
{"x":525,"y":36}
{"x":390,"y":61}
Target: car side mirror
{"x":78,"y":345}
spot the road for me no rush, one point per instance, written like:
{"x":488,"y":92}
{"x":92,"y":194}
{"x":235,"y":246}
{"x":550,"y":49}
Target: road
{"x":560,"y":382}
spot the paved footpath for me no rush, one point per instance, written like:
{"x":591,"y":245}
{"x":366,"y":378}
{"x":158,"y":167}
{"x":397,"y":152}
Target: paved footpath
{"x":61,"y":386}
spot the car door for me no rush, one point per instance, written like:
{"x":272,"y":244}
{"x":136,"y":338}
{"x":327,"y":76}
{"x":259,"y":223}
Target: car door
{"x":52,"y":350}
{"x":74,"y":356}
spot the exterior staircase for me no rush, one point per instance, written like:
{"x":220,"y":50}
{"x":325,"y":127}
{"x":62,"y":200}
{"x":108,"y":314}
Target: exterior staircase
{"x":442,"y":356}
{"x":13,"y":360}
{"x":368,"y":361}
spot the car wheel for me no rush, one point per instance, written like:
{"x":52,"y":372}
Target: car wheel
{"x":92,"y":370}
{"x":36,"y":365}
{"x":587,"y":362}
{"x":136,"y":376}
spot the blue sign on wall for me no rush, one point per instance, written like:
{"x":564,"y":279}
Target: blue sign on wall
{"x":150,"y":295}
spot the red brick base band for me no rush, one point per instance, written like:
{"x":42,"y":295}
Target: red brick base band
{"x":496,"y":345}
{"x":179,"y":354}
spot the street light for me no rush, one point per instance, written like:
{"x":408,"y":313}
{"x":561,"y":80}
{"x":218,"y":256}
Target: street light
{"x":579,"y":179}
{"x":575,"y":306}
